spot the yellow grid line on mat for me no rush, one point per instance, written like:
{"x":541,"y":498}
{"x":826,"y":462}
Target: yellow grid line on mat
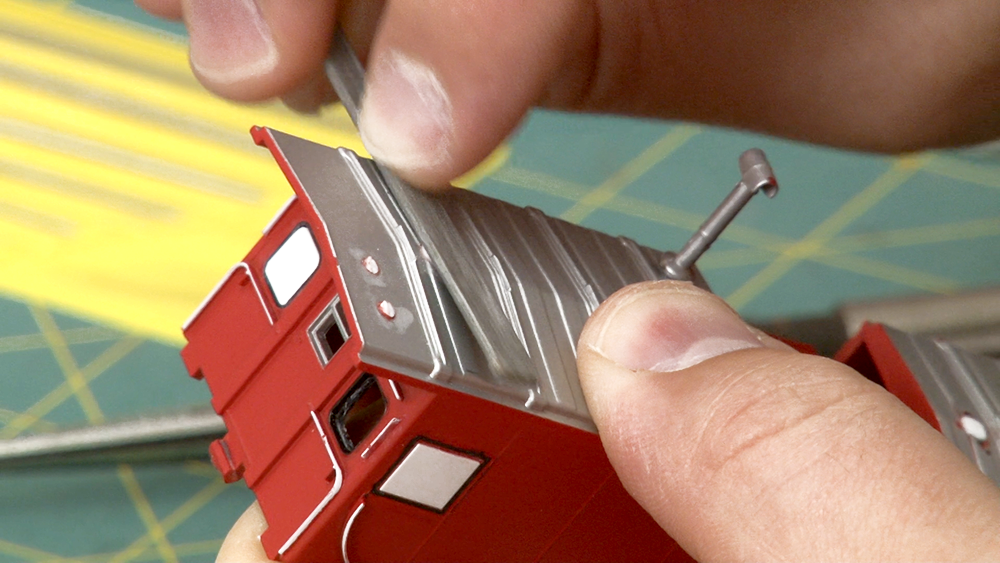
{"x":910,"y":236}
{"x":615,"y":183}
{"x":85,"y":335}
{"x":154,"y":529}
{"x":174,"y":519}
{"x":916,"y":279}
{"x":67,"y":364}
{"x":112,"y":355}
{"x":27,"y":553}
{"x":200,"y":469}
{"x":901,"y":170}
{"x":80,"y":388}
{"x":139,"y":549}
{"x":203,"y":547}
{"x":848,"y":244}
{"x":956,"y":169}
{"x":765,"y":246}
{"x":7,"y":415}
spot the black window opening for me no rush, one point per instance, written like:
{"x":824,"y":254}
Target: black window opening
{"x":329,"y":331}
{"x":357,"y":414}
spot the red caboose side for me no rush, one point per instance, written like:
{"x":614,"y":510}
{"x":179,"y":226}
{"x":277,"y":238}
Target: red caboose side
{"x":361,"y":412}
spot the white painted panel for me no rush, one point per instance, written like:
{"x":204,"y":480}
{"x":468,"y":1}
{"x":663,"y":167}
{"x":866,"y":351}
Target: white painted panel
{"x":430,"y":476}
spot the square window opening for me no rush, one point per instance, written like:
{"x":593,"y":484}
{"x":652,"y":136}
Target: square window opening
{"x":358,"y":413}
{"x":329,"y":332}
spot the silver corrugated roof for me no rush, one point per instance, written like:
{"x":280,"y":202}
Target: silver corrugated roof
{"x":549,"y":276}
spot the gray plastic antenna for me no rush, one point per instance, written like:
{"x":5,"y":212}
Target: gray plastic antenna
{"x":756,"y":175}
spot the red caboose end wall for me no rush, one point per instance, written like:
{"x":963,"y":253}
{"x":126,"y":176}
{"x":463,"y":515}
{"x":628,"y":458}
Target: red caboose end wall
{"x":266,"y":378}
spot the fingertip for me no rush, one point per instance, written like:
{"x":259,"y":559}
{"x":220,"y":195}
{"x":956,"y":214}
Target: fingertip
{"x":407,"y":120}
{"x":231,"y":44}
{"x":242,"y":543}
{"x":447,"y":84}
{"x":666,"y":326}
{"x":759,"y":452}
{"x":251,"y":50}
{"x":166,"y":9}
{"x":311,"y":96}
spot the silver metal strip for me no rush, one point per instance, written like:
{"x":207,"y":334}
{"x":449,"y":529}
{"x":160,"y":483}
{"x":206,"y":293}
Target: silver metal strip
{"x":347,"y":530}
{"x":395,"y":390}
{"x":385,"y":429}
{"x":409,"y":261}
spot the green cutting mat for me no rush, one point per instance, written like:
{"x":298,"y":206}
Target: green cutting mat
{"x":844,"y":227}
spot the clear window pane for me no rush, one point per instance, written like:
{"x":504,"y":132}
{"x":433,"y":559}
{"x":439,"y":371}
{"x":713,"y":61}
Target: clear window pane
{"x":291,"y":266}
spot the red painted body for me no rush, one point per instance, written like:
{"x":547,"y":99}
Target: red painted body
{"x":545,"y":491}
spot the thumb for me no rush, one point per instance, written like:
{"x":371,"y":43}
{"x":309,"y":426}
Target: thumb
{"x":447,"y":83}
{"x":745,"y":450}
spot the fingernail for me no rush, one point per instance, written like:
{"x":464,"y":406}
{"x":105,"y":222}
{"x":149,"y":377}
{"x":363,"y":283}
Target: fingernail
{"x":666,"y":326}
{"x":229,"y":40}
{"x":406,"y":117}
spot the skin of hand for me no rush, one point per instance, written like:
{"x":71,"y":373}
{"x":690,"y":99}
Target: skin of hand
{"x":741,"y":448}
{"x":448,"y":80}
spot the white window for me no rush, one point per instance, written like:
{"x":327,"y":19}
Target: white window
{"x":430,"y":476}
{"x":291,"y":266}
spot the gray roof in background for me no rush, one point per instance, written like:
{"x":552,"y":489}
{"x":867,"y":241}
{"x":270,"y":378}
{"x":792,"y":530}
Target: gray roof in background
{"x":957,"y":383}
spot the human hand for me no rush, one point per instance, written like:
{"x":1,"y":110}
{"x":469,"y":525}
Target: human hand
{"x":744,"y":450}
{"x":449,"y":79}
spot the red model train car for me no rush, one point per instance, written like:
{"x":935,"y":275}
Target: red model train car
{"x":369,"y":423}
{"x":362,"y":413}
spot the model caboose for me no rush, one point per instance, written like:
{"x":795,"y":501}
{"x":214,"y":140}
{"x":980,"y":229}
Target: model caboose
{"x":364,"y":415}
{"x":366,"y":418}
